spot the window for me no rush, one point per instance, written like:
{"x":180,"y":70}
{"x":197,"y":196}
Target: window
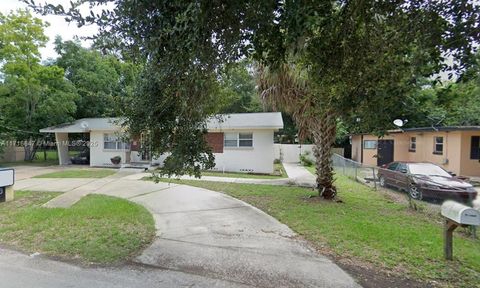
{"x":438,"y":145}
{"x":402,"y":167}
{"x":245,"y":139}
{"x":113,"y":142}
{"x":230,"y":140}
{"x":475,"y":148}
{"x":369,"y":144}
{"x":393,"y":166}
{"x":413,"y":144}
{"x":238,"y":140}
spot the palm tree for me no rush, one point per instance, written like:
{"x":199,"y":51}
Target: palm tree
{"x":287,"y":88}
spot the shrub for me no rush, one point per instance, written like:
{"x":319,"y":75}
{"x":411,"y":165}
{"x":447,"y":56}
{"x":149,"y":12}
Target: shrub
{"x":305,"y":160}
{"x":116,"y":160}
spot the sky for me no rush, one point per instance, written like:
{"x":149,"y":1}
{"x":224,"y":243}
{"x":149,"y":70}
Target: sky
{"x":58,"y":26}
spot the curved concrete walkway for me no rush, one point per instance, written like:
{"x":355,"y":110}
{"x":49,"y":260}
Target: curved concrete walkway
{"x":212,"y":235}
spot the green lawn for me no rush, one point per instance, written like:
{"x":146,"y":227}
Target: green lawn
{"x":97,"y":229}
{"x":39,"y":160}
{"x":79,"y":173}
{"x":366,"y":227}
{"x":312,"y":169}
{"x":277,"y":174}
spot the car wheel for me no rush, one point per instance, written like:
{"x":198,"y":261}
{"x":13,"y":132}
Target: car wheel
{"x":414,"y":192}
{"x":382,"y":181}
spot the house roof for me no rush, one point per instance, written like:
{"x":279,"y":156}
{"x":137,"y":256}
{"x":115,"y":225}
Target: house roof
{"x":269,"y":120}
{"x":86,"y":125}
{"x":266,"y":120}
{"x":430,"y":129}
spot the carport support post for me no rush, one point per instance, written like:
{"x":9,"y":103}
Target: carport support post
{"x":62,"y":148}
{"x":448,"y":234}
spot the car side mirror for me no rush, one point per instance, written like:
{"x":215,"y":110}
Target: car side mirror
{"x":451,"y":173}
{"x":384,"y":166}
{"x":403,"y":170}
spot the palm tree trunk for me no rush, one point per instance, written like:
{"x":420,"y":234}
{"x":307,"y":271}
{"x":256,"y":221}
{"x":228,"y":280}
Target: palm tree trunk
{"x":324,"y":133}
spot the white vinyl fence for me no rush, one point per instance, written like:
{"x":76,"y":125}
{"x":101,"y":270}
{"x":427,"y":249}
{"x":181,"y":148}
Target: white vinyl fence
{"x":290,"y":153}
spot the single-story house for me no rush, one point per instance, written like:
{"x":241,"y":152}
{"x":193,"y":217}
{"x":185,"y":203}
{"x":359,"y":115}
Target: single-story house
{"x":456,"y":148}
{"x":241,"y":142}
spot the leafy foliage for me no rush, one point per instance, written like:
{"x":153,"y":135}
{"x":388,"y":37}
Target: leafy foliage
{"x":453,"y":103}
{"x":32,"y":96}
{"x":238,"y":89}
{"x":103,"y":82}
{"x":357,"y":59}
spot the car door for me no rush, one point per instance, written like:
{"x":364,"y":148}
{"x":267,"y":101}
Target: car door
{"x":401,"y":176}
{"x":389,"y":173}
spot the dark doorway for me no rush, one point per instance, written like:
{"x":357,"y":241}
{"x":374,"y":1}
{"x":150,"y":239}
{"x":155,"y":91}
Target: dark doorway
{"x":384,"y":152}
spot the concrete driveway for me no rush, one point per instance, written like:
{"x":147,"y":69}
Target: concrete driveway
{"x":25,"y":171}
{"x":211,"y":235}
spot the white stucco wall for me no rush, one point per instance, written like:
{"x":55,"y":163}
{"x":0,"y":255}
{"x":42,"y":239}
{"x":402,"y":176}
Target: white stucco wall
{"x":100,"y":156}
{"x":257,"y":159}
{"x":290,"y":153}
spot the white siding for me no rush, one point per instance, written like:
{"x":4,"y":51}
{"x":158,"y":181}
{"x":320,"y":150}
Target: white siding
{"x":100,"y":156}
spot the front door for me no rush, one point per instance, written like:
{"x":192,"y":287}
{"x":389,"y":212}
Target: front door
{"x":384,"y":152}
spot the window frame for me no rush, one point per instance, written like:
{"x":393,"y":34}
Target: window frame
{"x":238,"y":140}
{"x":119,"y":144}
{"x":412,"y":147}
{"x":365,"y":146}
{"x":435,"y":143}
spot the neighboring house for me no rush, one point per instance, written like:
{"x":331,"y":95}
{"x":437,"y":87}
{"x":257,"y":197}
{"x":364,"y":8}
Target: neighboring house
{"x":456,"y":148}
{"x":241,"y":142}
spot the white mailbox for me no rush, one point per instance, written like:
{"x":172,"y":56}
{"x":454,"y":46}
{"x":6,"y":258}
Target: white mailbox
{"x":7,"y":177}
{"x":460,"y":213}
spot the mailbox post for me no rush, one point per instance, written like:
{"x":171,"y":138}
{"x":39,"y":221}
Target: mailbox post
{"x":7,"y":179}
{"x":456,"y":215}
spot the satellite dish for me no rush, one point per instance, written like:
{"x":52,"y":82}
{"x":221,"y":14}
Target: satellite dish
{"x":399,"y":122}
{"x":84,"y":125}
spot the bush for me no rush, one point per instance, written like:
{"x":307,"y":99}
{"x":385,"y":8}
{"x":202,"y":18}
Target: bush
{"x":277,"y":161}
{"x":305,"y":160}
{"x":116,"y":160}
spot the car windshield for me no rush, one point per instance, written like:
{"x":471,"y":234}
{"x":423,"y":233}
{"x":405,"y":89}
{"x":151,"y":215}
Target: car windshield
{"x":428,"y":169}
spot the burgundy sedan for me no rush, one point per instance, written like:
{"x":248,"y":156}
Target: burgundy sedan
{"x":426,"y":180}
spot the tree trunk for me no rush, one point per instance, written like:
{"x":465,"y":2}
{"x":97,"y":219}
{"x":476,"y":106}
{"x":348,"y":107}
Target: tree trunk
{"x":30,"y":149}
{"x":324,"y":133}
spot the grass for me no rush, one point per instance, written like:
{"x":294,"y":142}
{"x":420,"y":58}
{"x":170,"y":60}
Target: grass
{"x":97,"y":229}
{"x":79,"y":173}
{"x":39,"y":160}
{"x":279,"y":172}
{"x":312,"y":169}
{"x":367,"y":228}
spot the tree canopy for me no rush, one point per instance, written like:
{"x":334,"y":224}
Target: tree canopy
{"x":349,"y":59}
{"x":102,"y":81}
{"x":32,"y":96}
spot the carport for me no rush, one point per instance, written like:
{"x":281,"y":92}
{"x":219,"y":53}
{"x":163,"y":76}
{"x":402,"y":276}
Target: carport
{"x":97,"y":129}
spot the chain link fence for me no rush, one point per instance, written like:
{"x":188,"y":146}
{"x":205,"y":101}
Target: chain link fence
{"x":368,"y":175}
{"x":355,"y":170}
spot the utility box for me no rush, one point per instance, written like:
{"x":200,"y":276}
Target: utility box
{"x":460,"y":213}
{"x":7,"y":179}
